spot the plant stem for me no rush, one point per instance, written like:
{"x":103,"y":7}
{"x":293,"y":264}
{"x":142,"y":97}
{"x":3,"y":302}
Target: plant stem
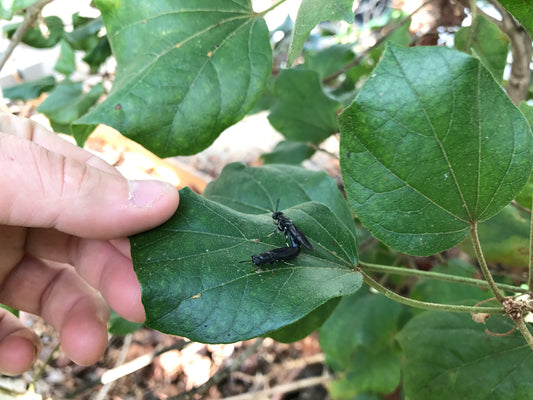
{"x":483,"y":264}
{"x":473,"y":27}
{"x":438,"y":276}
{"x":32,"y":13}
{"x":525,"y":332}
{"x":45,"y":363}
{"x":270,"y":8}
{"x":426,"y":305}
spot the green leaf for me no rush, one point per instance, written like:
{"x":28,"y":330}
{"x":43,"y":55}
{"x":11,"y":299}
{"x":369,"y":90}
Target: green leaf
{"x":41,"y":36}
{"x":194,"y":284}
{"x":260,"y":188}
{"x":30,"y":90}
{"x":329,"y":60}
{"x":66,"y":63}
{"x":521,"y":10}
{"x":287,"y":152}
{"x":447,"y":355}
{"x":67,"y":102}
{"x":303,"y":112}
{"x":12,"y":310}
{"x":488,"y":43}
{"x":186,"y":70}
{"x":311,"y":13}
{"x":85,"y":34}
{"x":119,"y":326}
{"x":358,"y":342}
{"x":430,"y":145}
{"x":9,"y":7}
{"x":96,"y":56}
{"x":504,"y":239}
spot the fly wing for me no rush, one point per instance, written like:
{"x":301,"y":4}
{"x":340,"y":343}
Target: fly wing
{"x":298,"y":236}
{"x":285,"y":253}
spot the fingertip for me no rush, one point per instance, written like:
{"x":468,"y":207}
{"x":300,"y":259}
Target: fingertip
{"x":18,"y":352}
{"x":84,"y":335}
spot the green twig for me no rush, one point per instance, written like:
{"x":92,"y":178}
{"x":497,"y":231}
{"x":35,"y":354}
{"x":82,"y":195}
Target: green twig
{"x":438,"y":276}
{"x":32,"y":13}
{"x":520,"y":207}
{"x":270,"y":8}
{"x":483,"y":264}
{"x":525,"y":332}
{"x":473,"y":26}
{"x":426,"y":305}
{"x":45,"y":363}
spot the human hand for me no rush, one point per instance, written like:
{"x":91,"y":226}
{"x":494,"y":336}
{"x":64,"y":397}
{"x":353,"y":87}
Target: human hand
{"x":64,"y":220}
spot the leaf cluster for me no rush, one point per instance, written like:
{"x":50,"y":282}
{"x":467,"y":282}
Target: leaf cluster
{"x":432,"y":151}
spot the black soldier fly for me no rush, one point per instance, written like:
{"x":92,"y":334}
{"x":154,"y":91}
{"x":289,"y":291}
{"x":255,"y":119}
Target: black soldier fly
{"x":275,"y":255}
{"x":292,"y":233}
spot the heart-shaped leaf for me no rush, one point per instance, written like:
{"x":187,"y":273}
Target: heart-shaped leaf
{"x":444,"y":351}
{"x":431,"y":145}
{"x":199,"y":65}
{"x":195,"y":285}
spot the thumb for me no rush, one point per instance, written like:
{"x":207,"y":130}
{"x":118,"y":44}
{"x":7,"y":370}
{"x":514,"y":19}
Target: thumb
{"x":42,"y":188}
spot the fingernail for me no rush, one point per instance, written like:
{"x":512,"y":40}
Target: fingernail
{"x":146,"y":193}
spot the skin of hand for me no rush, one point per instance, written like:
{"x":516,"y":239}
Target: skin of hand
{"x":65,"y":216}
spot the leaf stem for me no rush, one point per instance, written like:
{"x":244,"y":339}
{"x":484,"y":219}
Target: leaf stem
{"x":426,"y":305}
{"x":525,"y":332}
{"x":270,"y":8}
{"x":438,"y":276}
{"x":483,"y":264}
{"x":488,"y":277}
{"x":473,"y":27}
